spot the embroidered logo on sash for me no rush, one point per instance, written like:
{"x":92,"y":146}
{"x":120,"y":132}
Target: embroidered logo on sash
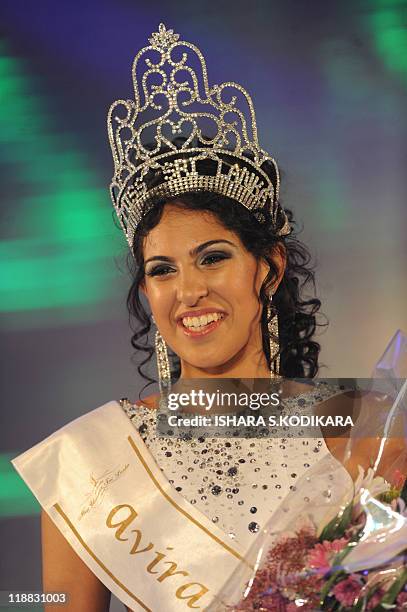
{"x":99,"y":488}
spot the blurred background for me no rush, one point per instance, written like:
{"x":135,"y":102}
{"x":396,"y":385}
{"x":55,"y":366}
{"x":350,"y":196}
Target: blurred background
{"x":329,"y":84}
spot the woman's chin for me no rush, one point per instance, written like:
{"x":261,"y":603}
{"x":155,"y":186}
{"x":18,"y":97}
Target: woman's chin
{"x":206,"y":365}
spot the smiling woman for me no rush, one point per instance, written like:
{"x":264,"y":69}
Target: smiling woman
{"x":217,"y":277}
{"x":204,"y":254}
{"x":162,"y":522}
{"x":207,"y":273}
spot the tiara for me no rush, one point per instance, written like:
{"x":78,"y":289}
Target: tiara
{"x":181,"y":135}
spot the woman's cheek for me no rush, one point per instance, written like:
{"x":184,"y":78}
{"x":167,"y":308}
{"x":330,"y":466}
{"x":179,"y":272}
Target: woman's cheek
{"x":239,"y":284}
{"x":238,"y":276}
{"x":161,"y":304}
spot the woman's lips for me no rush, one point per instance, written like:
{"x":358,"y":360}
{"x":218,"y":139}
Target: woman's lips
{"x":203,"y":330}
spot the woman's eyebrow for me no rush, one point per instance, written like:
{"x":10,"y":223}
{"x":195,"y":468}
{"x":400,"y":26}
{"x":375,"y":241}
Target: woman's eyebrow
{"x":203,"y":246}
{"x":194,"y":251}
{"x":159,"y":258}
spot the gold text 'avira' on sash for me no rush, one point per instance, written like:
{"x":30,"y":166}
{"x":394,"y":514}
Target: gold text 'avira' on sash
{"x":142,"y":539}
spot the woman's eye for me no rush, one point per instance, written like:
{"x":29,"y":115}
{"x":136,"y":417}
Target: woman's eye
{"x":159,"y":271}
{"x":213,"y":258}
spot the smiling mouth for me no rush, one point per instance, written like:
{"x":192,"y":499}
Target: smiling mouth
{"x":197,"y":326}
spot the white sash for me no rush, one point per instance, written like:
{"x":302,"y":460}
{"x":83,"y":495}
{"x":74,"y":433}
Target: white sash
{"x":142,"y":539}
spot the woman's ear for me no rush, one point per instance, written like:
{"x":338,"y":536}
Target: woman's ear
{"x":279,"y":258}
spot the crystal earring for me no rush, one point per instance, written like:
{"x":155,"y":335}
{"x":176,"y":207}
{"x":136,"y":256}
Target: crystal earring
{"x":163,"y":362}
{"x":272,"y":326}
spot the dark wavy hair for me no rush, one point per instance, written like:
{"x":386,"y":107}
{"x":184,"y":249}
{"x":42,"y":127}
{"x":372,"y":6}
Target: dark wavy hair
{"x":296,"y":314}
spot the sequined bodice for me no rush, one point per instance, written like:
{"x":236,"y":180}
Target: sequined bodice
{"x":236,"y":483}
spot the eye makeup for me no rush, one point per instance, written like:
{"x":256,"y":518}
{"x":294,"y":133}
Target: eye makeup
{"x":158,"y":269}
{"x":161,"y":265}
{"x":214,"y":257}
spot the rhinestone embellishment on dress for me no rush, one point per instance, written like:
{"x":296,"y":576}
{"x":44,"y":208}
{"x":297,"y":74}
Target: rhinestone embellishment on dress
{"x":231,"y":481}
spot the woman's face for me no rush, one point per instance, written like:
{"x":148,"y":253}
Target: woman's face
{"x":203,"y":288}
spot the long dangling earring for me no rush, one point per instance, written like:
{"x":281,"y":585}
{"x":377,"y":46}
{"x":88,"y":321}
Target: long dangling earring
{"x":163,"y":362}
{"x":272,"y":326}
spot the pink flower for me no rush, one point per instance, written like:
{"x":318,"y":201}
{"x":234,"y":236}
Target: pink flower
{"x":321,"y":555}
{"x":318,"y":559}
{"x":347,"y":590}
{"x":402,"y":600}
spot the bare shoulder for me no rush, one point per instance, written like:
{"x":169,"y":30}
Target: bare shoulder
{"x":150,"y":402}
{"x":65,"y":572}
{"x":365,"y":444}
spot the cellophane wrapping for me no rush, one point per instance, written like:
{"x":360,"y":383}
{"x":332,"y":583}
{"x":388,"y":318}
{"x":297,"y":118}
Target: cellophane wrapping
{"x":339,"y":542}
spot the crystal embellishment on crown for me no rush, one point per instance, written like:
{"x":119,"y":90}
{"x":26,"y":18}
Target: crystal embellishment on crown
{"x":180,"y":135}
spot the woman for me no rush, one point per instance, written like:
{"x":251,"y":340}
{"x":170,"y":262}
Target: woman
{"x":126,"y":510}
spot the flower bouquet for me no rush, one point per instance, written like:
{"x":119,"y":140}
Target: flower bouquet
{"x":336,"y":544}
{"x":357,"y":561}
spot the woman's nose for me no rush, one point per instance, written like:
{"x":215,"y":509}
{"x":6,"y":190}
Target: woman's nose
{"x":191,"y":288}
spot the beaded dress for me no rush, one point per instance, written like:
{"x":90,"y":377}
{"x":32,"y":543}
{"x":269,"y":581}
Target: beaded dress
{"x":236,"y":483}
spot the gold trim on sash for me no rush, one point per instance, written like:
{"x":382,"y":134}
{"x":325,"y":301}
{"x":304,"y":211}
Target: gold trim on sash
{"x":74,"y":452}
{"x":95,"y":558}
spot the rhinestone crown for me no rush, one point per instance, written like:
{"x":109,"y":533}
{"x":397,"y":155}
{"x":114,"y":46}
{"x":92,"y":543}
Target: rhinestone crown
{"x":180,"y":135}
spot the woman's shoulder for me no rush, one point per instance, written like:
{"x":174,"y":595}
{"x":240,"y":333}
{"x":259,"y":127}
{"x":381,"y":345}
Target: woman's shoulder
{"x":140,"y":406}
{"x":73,"y":453}
{"x":370,"y":442}
{"x":99,"y":418}
{"x":107,"y":412}
{"x":88,"y":426}
{"x":150,"y":402}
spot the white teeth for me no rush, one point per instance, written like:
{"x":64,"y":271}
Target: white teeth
{"x":198,"y":322}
